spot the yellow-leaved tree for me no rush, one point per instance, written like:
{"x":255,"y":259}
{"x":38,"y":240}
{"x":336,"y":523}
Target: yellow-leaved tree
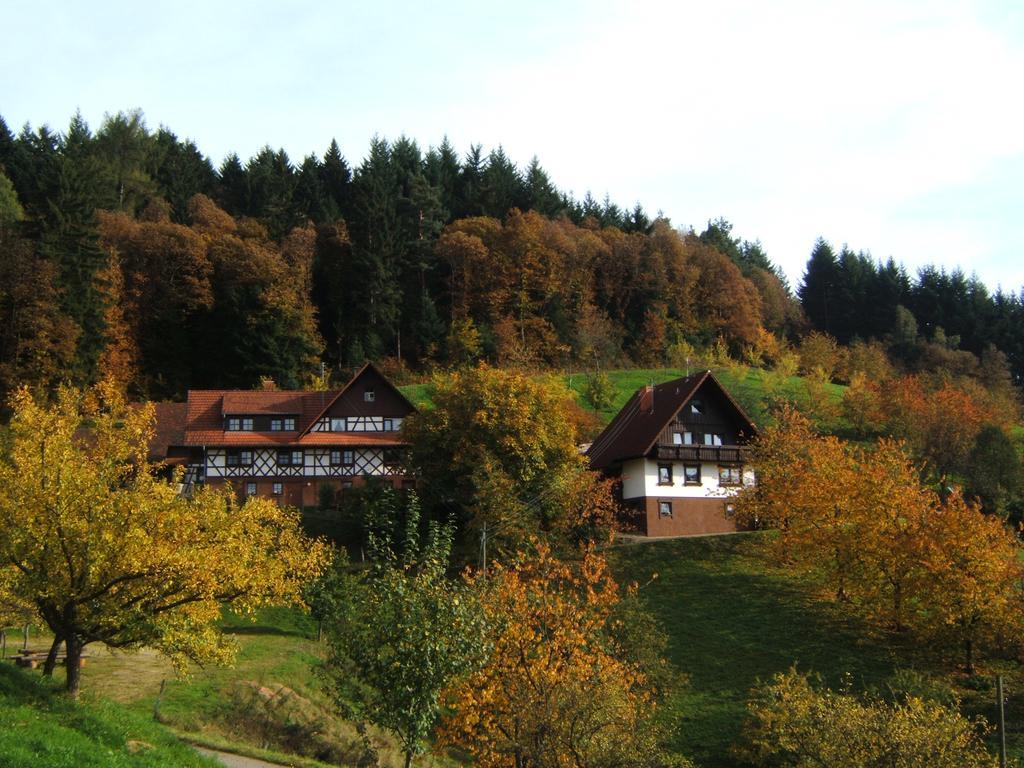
{"x":105,"y":551}
{"x":793,"y":723}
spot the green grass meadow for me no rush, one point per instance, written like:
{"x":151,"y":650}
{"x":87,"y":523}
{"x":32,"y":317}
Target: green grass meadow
{"x":733,"y":622}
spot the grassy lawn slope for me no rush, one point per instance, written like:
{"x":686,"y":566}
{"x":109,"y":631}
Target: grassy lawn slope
{"x":44,"y":729}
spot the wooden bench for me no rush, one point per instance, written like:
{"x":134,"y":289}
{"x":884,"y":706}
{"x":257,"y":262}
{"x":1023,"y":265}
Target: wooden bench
{"x":32,"y":658}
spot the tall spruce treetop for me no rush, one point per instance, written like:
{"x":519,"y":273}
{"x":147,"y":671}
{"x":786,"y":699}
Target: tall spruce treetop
{"x":441,"y":167}
{"x":503,"y":187}
{"x":542,"y":193}
{"x":817,"y":292}
{"x":336,"y":180}
{"x":232,"y":189}
{"x":182,"y":173}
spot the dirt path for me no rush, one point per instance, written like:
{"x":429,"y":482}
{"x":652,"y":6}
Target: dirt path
{"x":236,"y":761}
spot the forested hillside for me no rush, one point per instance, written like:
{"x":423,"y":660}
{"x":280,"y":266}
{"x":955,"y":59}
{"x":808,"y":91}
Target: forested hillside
{"x":125,"y":251}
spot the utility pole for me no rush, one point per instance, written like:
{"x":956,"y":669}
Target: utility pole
{"x":1002,"y":722}
{"x":483,"y":550}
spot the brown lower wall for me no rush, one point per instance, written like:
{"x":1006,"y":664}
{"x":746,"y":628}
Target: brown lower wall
{"x":689,"y":516}
{"x":295,"y":492}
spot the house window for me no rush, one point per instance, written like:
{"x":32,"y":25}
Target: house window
{"x":250,"y":489}
{"x":289,"y":458}
{"x":234,"y":425}
{"x":710,"y":439}
{"x":346,"y":485}
{"x":677,"y":438}
{"x":730,"y":475}
{"x":664,"y":474}
{"x":697,"y":408}
{"x":687,"y":438}
{"x":691,"y":474}
{"x":340,"y":458}
{"x":730,"y":510}
{"x":368,"y":395}
{"x":337,"y":425}
{"x":275,"y":425}
{"x":239,"y":458}
{"x":664,"y":509}
{"x":278,"y":489}
{"x":247,"y":424}
{"x":289,"y":425}
{"x":388,"y":425}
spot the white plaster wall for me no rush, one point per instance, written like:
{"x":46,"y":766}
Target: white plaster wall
{"x":640,"y":478}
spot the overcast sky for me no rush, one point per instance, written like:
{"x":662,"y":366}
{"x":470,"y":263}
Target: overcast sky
{"x":897,"y":128}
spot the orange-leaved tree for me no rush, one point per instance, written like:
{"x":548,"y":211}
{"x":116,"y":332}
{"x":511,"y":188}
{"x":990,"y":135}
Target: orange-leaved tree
{"x":860,"y":522}
{"x":977,"y":578}
{"x":558,"y":689}
{"x":817,"y":519}
{"x":105,"y":551}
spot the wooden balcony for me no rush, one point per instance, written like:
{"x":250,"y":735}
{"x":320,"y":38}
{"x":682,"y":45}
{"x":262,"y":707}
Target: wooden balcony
{"x":725,"y":454}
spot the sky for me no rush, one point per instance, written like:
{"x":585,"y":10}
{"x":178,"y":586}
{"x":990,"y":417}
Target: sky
{"x":896,"y":128}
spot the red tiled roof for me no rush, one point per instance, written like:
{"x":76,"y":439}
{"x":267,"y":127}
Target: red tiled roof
{"x":169,"y":428}
{"x":636,"y":427}
{"x":207,"y":407}
{"x":271,"y":402}
{"x":284,"y":439}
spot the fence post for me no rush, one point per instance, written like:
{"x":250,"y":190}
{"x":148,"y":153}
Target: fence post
{"x":24,"y":635}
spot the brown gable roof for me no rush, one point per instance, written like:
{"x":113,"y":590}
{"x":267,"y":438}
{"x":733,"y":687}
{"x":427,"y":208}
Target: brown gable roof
{"x":359,"y":374}
{"x":635,"y":428}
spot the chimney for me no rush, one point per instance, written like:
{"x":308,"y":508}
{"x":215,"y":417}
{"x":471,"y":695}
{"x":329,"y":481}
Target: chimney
{"x":267,"y":384}
{"x":647,"y":399}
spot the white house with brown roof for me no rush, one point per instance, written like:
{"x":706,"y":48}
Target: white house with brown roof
{"x":287,"y":444}
{"x":679,"y":451}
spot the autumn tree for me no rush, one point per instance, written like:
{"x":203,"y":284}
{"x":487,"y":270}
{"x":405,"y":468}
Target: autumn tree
{"x":940,"y":421}
{"x":498,"y":450}
{"x":105,"y":551}
{"x":405,"y":630}
{"x":793,"y":723}
{"x":976,"y":575}
{"x":860,"y":522}
{"x":557,"y":689}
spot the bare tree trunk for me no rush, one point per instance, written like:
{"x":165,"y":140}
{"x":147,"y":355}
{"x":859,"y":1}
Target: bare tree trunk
{"x":74,"y":665}
{"x":51,"y":657}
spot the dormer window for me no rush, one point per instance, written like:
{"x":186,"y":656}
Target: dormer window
{"x":234,"y":425}
{"x":275,"y":425}
{"x":289,"y":425}
{"x":369,"y":395}
{"x":279,"y":425}
{"x":240,"y":424}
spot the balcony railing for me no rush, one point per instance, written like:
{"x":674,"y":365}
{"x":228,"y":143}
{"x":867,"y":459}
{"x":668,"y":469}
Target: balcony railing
{"x":733,"y":454}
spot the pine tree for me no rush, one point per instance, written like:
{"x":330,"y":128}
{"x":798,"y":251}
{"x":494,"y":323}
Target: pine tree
{"x":183,"y":172}
{"x":233,"y":186}
{"x":818,"y":291}
{"x":336,"y":181}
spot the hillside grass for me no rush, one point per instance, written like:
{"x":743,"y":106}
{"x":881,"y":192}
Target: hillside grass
{"x":753,"y":389}
{"x":733,"y":622}
{"x":42,"y":728}
{"x":272,"y":704}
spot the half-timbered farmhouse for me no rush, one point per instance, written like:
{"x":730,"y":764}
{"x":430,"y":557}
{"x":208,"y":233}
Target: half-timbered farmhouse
{"x":679,"y":452}
{"x":286,"y":444}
